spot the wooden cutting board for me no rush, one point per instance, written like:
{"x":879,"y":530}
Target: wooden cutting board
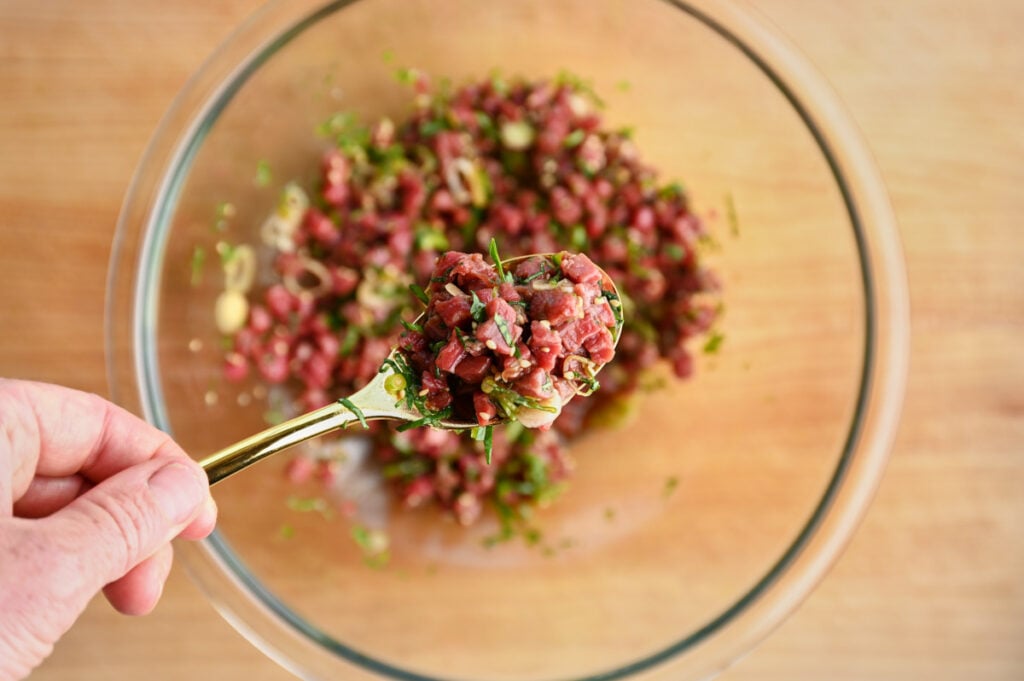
{"x":932,"y":586}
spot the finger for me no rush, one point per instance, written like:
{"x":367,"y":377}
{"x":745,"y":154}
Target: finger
{"x":45,"y":496}
{"x":57,"y":432}
{"x":138,"y":591}
{"x":121,"y":521}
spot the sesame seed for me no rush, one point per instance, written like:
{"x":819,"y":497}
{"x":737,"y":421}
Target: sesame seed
{"x":423,"y":393}
{"x":491,"y":345}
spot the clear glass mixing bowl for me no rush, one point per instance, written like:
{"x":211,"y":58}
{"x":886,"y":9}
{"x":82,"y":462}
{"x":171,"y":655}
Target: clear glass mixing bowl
{"x":686,"y":536}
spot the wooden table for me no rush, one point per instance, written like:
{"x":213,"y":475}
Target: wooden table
{"x":932,"y":586}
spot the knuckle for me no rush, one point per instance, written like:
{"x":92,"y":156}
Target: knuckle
{"x":122,"y":519}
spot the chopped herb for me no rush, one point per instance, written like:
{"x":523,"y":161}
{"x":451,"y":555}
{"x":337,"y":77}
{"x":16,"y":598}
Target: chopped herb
{"x":411,"y":397}
{"x":574,"y":138}
{"x":578,"y":238}
{"x":675,"y":252}
{"x":730,"y":214}
{"x":351,"y":406}
{"x":432,"y":127}
{"x":310,"y":505}
{"x":623,"y":86}
{"x":411,"y":326}
{"x":419,"y":293}
{"x":714,"y":342}
{"x":198,"y":260}
{"x":406,"y":76}
{"x":374,"y":546}
{"x":222,"y":213}
{"x":489,"y":443}
{"x":579,"y":85}
{"x":226,"y":252}
{"x":498,"y":82}
{"x":349,"y":342}
{"x":486,"y":125}
{"x":477,"y":310}
{"x":407,"y":469}
{"x":673,"y":190}
{"x":671,"y":483}
{"x":387,"y":56}
{"x":430,"y":239}
{"x":273,"y":417}
{"x":286,"y":531}
{"x":484,"y":434}
{"x":506,"y":333}
{"x":532,"y":536}
{"x":263,"y":174}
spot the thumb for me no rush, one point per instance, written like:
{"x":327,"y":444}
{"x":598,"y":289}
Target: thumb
{"x":122,"y":521}
{"x":60,"y":562}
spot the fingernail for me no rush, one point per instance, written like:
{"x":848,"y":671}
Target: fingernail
{"x":177,"y":491}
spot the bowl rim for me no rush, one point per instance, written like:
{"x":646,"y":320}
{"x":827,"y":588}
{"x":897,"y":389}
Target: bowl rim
{"x":137,"y":255}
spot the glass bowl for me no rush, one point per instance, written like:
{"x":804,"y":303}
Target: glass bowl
{"x":686,"y":535}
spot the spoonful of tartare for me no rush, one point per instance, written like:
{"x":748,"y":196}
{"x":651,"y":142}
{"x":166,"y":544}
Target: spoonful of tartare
{"x":506,"y":341}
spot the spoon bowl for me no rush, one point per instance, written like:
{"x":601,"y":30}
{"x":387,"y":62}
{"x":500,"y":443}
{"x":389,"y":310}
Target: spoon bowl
{"x":373,"y":402}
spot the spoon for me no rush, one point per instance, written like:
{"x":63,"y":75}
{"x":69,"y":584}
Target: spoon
{"x":371,"y":403}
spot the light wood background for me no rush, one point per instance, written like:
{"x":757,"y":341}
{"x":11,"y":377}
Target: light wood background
{"x":932,"y":586}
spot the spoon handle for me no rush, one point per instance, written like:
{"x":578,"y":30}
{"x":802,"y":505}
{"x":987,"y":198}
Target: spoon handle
{"x":370,"y":403}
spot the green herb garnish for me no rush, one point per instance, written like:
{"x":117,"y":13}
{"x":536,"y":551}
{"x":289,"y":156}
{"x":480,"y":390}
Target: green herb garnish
{"x":714,"y":342}
{"x":226,"y":252}
{"x":411,"y":397}
{"x":671,"y":484}
{"x":198,"y":260}
{"x":349,"y":342}
{"x":578,"y":238}
{"x":263,"y":174}
{"x":309,"y":505}
{"x":406,"y":76}
{"x":432,"y":127}
{"x":350,"y":405}
{"x":222,"y":213}
{"x":574,"y":138}
{"x":506,"y":333}
{"x":477,"y":309}
{"x":411,"y":326}
{"x":420,"y":294}
{"x":730,"y":215}
{"x":493,"y":248}
{"x":484,"y":434}
{"x":374,"y":546}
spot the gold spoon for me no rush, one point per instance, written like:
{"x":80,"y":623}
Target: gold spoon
{"x":371,"y":403}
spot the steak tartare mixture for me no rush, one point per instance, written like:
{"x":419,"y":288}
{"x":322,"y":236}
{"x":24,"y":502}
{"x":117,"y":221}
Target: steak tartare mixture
{"x":529,"y":164}
{"x":515,"y":345}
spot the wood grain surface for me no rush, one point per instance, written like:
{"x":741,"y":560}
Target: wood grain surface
{"x":932,"y":586}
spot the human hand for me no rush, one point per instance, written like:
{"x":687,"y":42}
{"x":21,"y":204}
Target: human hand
{"x":90,"y":497}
